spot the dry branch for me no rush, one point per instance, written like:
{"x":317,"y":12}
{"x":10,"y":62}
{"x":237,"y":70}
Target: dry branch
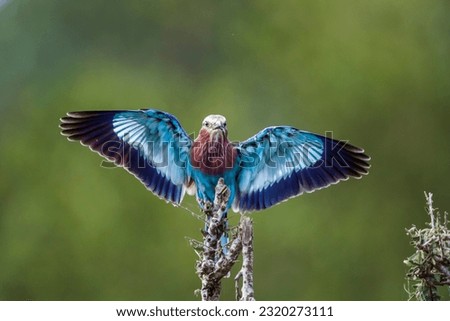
{"x":246,"y":272}
{"x":214,"y":264}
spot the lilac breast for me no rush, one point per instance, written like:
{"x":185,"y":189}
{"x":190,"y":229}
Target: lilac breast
{"x":212,"y":157}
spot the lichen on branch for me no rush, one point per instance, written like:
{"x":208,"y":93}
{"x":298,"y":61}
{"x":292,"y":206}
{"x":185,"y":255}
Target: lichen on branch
{"x":429,"y":266}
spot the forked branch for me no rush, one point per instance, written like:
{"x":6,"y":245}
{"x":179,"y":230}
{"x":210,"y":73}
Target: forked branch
{"x":214,"y":264}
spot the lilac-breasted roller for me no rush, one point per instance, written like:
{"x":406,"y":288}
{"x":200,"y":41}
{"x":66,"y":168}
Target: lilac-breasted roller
{"x":276,"y":164}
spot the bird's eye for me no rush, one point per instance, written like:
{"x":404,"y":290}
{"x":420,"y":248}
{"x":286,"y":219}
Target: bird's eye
{"x":207,"y":124}
{"x":225,"y":124}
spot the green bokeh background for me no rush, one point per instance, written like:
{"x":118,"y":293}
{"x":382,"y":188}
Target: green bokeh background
{"x":374,"y":72}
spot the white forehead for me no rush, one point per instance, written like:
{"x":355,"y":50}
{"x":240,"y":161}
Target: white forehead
{"x":215,"y":119}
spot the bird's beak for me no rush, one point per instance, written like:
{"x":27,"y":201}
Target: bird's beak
{"x":218,"y":133}
{"x":220,"y":127}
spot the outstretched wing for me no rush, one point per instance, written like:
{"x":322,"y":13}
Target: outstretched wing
{"x":150,"y":144}
{"x":282,"y":162}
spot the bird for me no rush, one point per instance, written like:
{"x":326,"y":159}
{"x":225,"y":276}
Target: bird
{"x":276,"y":164}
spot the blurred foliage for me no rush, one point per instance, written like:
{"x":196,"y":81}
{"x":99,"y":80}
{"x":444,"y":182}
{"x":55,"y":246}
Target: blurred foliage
{"x":374,"y":72}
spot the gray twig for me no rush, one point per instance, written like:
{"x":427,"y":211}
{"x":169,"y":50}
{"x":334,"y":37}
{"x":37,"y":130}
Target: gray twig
{"x":246,"y":273}
{"x":430,"y":209}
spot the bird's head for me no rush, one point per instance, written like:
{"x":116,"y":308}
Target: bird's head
{"x":215,"y":126}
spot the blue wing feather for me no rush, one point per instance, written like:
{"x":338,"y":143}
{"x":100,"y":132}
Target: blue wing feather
{"x":282,"y":162}
{"x":150,"y":144}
